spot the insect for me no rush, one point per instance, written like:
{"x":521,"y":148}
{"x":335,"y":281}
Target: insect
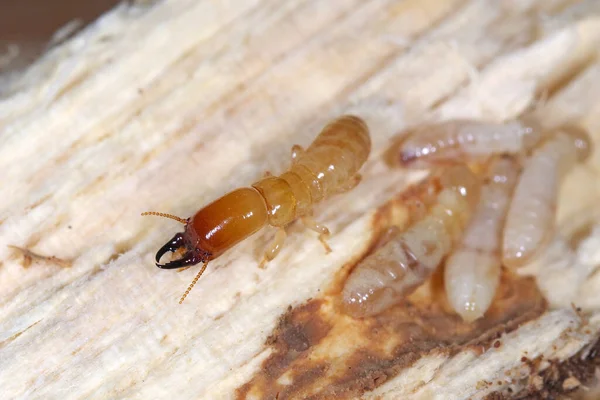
{"x":408,"y":258}
{"x":508,"y":227}
{"x":531,"y":217}
{"x":466,"y":141}
{"x":472,"y":272}
{"x":329,"y":166}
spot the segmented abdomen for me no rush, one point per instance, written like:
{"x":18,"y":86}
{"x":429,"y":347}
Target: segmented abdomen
{"x":531,"y":217}
{"x":408,"y":258}
{"x":328,"y":166}
{"x":335,"y":156}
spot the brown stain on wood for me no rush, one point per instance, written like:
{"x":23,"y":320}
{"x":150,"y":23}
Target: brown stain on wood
{"x":320,"y":353}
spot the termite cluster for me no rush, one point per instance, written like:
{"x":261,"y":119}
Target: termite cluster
{"x":489,"y":203}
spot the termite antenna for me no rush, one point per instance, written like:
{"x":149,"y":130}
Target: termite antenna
{"x":158,"y":214}
{"x":193,"y":282}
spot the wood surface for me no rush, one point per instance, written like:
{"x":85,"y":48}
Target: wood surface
{"x":167,"y":105}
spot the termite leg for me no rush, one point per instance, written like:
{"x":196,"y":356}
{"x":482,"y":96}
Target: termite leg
{"x":274,"y":248}
{"x":351,"y":184}
{"x":296,"y":152}
{"x":323,"y":232}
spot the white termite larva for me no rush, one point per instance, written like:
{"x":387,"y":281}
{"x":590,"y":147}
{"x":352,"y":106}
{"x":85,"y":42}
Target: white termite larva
{"x":531,"y":216}
{"x":472,"y":272}
{"x":409,"y":257}
{"x":463,"y":141}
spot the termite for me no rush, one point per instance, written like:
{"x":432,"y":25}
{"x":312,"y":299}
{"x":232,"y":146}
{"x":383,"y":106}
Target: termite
{"x":550,"y":153}
{"x":512,"y":223}
{"x":329,"y":166}
{"x":531,"y":217}
{"x":472,"y":272}
{"x":465,"y":141}
{"x":409,"y":257}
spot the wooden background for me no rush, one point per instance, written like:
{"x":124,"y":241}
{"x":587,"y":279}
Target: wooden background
{"x":167,"y":106}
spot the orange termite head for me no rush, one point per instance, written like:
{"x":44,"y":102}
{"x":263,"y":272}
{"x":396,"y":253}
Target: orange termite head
{"x":215,"y":228}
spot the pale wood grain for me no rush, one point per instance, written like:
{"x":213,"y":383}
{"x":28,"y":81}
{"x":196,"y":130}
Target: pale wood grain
{"x":168,"y":107}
